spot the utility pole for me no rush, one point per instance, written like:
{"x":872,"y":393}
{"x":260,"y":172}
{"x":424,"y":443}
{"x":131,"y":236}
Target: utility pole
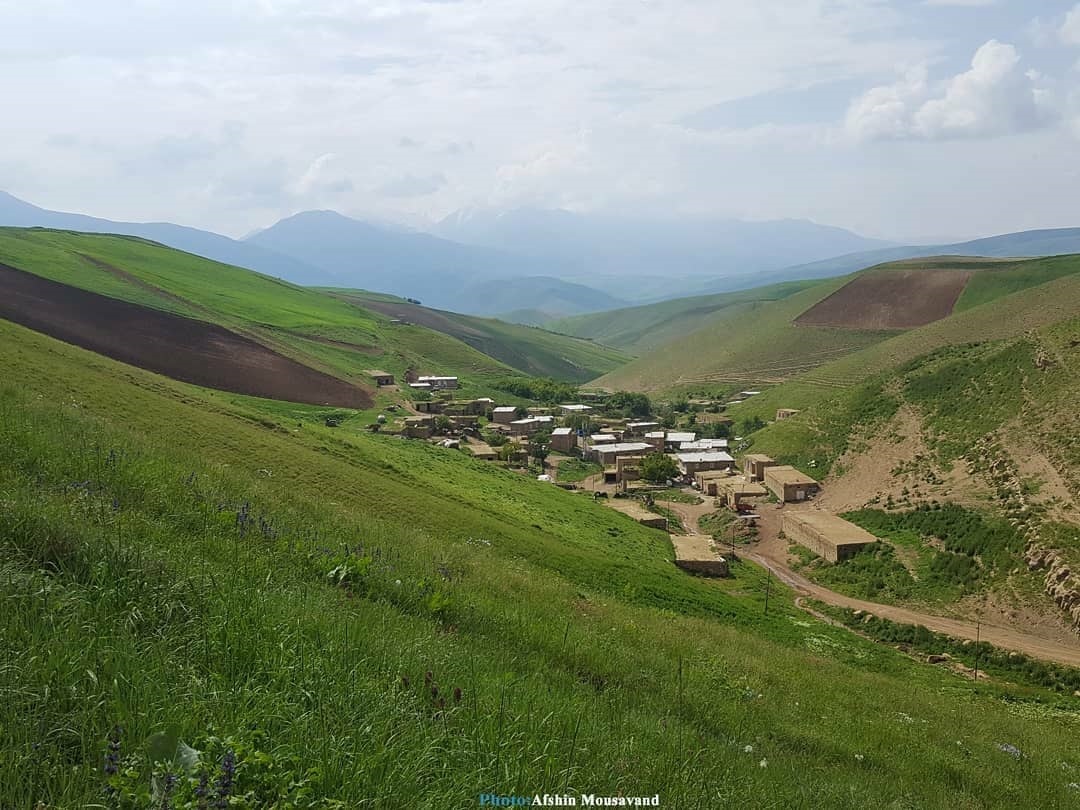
{"x":978,"y":630}
{"x":768,"y":583}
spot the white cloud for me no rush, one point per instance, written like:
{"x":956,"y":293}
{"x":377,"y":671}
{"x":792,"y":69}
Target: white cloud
{"x":993,"y":97}
{"x":1070,"y":28}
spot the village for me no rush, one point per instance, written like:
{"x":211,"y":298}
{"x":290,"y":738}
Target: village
{"x":669,"y":478}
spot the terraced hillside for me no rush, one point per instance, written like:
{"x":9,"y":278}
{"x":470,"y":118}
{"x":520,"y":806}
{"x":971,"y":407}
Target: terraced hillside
{"x":789,"y":338}
{"x":329,"y":335}
{"x":320,"y":616}
{"x":529,"y":349}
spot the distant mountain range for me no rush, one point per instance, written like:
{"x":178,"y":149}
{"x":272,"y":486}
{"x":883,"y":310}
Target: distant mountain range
{"x":18,"y":213}
{"x":534,"y":265}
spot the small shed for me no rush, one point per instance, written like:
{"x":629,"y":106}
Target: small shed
{"x":789,"y":485}
{"x":380,"y":378}
{"x":785,"y":413}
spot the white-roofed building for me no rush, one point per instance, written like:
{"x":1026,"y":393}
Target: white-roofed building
{"x":607,"y":453}
{"x":562,"y":439}
{"x":693,"y":463}
{"x":703,"y":445}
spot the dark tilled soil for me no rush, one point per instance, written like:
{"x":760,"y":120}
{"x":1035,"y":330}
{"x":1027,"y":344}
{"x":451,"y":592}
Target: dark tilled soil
{"x":182,"y":348}
{"x":889,"y":299}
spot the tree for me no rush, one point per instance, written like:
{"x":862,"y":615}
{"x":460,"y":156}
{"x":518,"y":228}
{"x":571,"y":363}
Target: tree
{"x":510,"y":452}
{"x":629,"y":404}
{"x":539,"y":451}
{"x":657,"y":468}
{"x":443,"y":423}
{"x":579,"y":421}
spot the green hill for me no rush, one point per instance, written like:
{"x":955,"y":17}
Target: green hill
{"x":189,"y":579}
{"x":324,"y":332}
{"x":762,"y":345}
{"x":639,"y":329}
{"x":532,"y":350}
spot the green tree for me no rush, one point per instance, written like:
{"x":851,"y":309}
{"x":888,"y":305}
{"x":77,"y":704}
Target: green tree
{"x":443,"y":423}
{"x":657,"y":468}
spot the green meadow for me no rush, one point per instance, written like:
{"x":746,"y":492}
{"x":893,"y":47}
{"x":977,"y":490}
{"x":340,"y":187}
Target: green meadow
{"x":199,"y":589}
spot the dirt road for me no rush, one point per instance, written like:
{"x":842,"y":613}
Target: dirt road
{"x":771,"y":552}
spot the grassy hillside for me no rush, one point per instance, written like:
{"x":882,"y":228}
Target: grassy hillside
{"x":327,"y":333}
{"x":639,"y":329}
{"x":761,"y":346}
{"x":347,"y":617}
{"x":529,"y":349}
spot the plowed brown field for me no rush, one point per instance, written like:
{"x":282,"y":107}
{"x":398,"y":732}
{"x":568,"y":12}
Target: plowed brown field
{"x":182,"y":348}
{"x":889,"y":299}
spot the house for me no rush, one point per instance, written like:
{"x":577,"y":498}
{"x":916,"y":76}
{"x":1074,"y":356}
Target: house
{"x":694,"y":553}
{"x":380,"y":378}
{"x":675,"y":439}
{"x":655,"y":438}
{"x":420,"y":386}
{"x":439,"y":383}
{"x":693,"y":463}
{"x":641,"y":428}
{"x":462,"y":421}
{"x":607,"y":453}
{"x":570,"y":409}
{"x":754,"y":465}
{"x":710,"y":481}
{"x":429,"y":406}
{"x":481,"y":451}
{"x":562,"y":440}
{"x":703,"y":445}
{"x":504,"y":414}
{"x":627,"y":468}
{"x":785,"y":413}
{"x":790,"y":485}
{"x":828,"y":536}
{"x":734,"y":490}
{"x":527,"y":427}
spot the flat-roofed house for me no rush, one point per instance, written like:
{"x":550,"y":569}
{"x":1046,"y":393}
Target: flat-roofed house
{"x":655,"y":438}
{"x":438,"y":383}
{"x":569,"y":409}
{"x":703,"y":445}
{"x":789,"y":485}
{"x":674,"y":439}
{"x":641,"y":428}
{"x":562,"y":439}
{"x":693,"y":463}
{"x":504,"y":414}
{"x":607,"y":453}
{"x":826,"y":535}
{"x":527,"y":427}
{"x":755,"y":464}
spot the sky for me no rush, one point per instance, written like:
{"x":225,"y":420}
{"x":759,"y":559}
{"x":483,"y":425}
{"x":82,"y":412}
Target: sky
{"x":900,"y":119}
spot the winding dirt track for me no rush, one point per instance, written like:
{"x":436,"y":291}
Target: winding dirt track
{"x":771,"y":553}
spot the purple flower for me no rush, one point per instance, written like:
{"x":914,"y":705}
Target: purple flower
{"x":225,"y":781}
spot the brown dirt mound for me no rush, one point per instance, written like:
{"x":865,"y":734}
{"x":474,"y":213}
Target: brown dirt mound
{"x":182,"y":348}
{"x":889,"y":299}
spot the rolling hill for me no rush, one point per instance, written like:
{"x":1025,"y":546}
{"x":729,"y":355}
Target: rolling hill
{"x":1046,"y":242}
{"x":765,"y":345}
{"x":532,"y":350}
{"x":972,"y":410}
{"x":638,"y":329}
{"x":320,"y":332}
{"x":404,"y":622}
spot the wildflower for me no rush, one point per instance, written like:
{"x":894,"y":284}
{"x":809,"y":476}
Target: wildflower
{"x":116,"y":504}
{"x":397,"y":582}
{"x":1010,"y":749}
{"x":434,"y":693}
{"x":748,"y":749}
{"x":225,"y":781}
{"x":112,"y":757}
{"x":1073,"y":786}
{"x":859,"y":757}
{"x":405,"y":681}
{"x":457,"y":694}
{"x":167,"y":785}
{"x":428,"y":677}
{"x":202,"y":791}
{"x":763,"y":764}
